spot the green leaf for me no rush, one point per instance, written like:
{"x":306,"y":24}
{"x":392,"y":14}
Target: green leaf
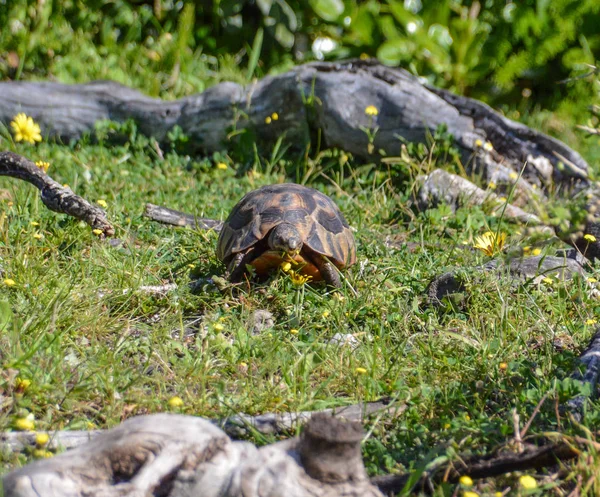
{"x":255,"y":53}
{"x":329,"y":10}
{"x":5,"y":315}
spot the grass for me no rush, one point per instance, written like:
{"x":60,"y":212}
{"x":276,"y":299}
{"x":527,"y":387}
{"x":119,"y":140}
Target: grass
{"x":95,"y":351}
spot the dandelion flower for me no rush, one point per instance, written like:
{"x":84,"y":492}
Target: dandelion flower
{"x":592,"y":280}
{"x":274,"y":116}
{"x":548,"y":281}
{"x":285,"y":266}
{"x":9,"y":282}
{"x":175,"y":402}
{"x":360,"y":370}
{"x":503,"y":366}
{"x":590,"y":238}
{"x":513,"y":175}
{"x":371,"y":110}
{"x":97,"y":232}
{"x":41,"y":439}
{"x":23,"y":384}
{"x":299,"y":279}
{"x":34,"y":223}
{"x":536,"y":251}
{"x":102,"y":203}
{"x":42,"y":454}
{"x":492,"y":185}
{"x":466,"y":481}
{"x":26,"y":129}
{"x":294,"y":331}
{"x":490,"y":243}
{"x":528,"y":482}
{"x":591,"y":321}
{"x":38,"y":236}
{"x":502,"y":199}
{"x":470,"y":493}
{"x":44,"y":166}
{"x":478,"y":143}
{"x":222,"y":166}
{"x":268,"y":120}
{"x":218,"y":327}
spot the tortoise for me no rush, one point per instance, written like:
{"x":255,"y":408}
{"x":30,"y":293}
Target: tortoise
{"x":287,"y":222}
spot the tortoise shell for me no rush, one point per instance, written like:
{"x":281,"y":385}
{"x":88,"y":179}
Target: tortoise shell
{"x":318,"y":220}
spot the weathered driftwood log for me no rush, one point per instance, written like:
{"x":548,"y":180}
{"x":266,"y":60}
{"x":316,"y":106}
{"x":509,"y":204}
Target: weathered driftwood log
{"x":171,"y":455}
{"x":328,"y":97}
{"x":238,"y":426}
{"x":55,"y":196}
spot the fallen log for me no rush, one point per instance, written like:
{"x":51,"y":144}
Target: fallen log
{"x":237,"y":427}
{"x":325,"y":98}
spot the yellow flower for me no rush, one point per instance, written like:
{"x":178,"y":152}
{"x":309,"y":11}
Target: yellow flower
{"x":590,"y":238}
{"x":25,"y":129}
{"x":371,"y":110}
{"x":490,"y":243}
{"x":38,"y":236}
{"x":218,"y":327}
{"x":268,"y":120}
{"x":536,"y":251}
{"x":102,"y":203}
{"x":591,"y":321}
{"x":274,"y":116}
{"x":503,"y":366}
{"x":41,"y":439}
{"x":23,"y":384}
{"x":299,"y":279}
{"x":364,"y":56}
{"x":513,"y":175}
{"x":97,"y":232}
{"x":498,"y":494}
{"x":466,"y":481}
{"x":285,"y":266}
{"x":294,"y":331}
{"x":502,"y":199}
{"x":447,"y":426}
{"x":470,"y":493}
{"x":526,"y":250}
{"x":44,"y":166}
{"x":478,"y":143}
{"x":492,"y":185}
{"x":326,"y":314}
{"x":360,"y":370}
{"x":42,"y":454}
{"x":488,"y":146}
{"x":24,"y":424}
{"x":90,"y":426}
{"x":9,"y":282}
{"x":34,"y":223}
{"x":592,"y":280}
{"x":175,"y":402}
{"x":222,"y":166}
{"x":528,"y":482}
{"x":548,"y":281}
{"x":192,"y":266}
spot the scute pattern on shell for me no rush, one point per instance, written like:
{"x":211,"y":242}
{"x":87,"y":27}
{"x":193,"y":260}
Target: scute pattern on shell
{"x":317,"y":218}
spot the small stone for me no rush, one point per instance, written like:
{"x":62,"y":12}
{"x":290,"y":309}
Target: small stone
{"x":260,"y":321}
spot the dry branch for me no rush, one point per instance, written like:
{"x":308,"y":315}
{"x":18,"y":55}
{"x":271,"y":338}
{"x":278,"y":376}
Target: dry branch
{"x":56,"y":197}
{"x":178,"y":218}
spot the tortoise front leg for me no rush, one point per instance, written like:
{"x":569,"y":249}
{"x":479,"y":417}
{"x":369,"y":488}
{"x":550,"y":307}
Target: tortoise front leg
{"x":237,"y":266}
{"x":328,"y":270}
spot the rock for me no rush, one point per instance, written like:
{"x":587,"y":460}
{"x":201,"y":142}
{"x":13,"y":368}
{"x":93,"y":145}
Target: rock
{"x":260,"y":321}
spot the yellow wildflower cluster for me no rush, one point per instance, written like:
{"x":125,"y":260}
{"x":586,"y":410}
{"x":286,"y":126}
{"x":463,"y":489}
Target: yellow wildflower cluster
{"x":271,"y":118}
{"x":26,"y":129}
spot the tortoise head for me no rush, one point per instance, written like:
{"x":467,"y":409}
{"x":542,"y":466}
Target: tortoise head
{"x":286,"y":238}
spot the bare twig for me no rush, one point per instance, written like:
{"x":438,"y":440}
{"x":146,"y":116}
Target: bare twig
{"x":56,"y":197}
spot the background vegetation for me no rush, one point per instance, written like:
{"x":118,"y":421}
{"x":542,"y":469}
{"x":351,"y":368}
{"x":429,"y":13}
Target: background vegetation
{"x":81,"y":347}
